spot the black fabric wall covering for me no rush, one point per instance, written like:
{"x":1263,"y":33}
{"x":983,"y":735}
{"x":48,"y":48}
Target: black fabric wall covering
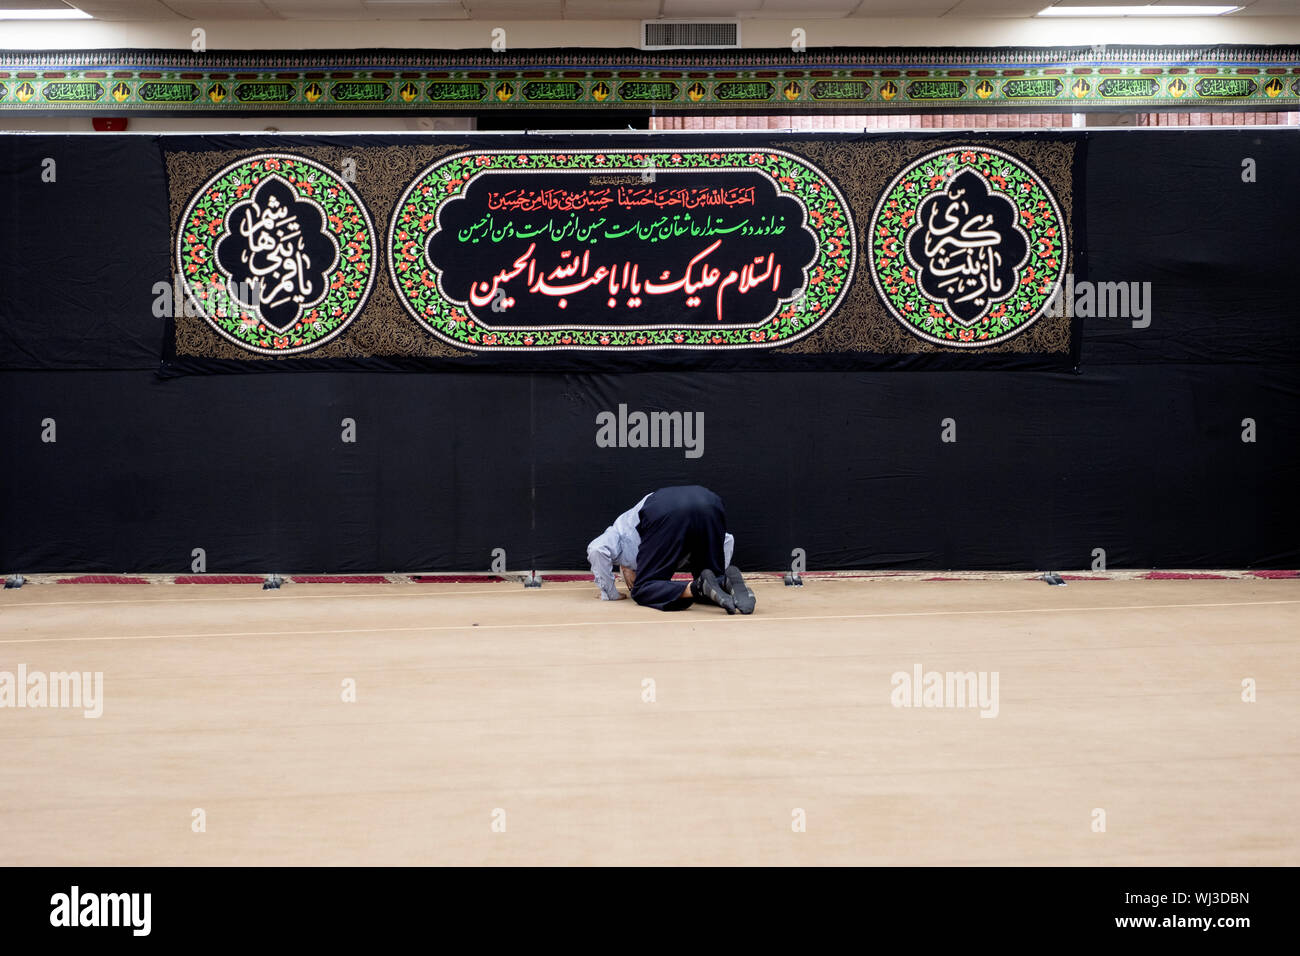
{"x":1139,"y":453}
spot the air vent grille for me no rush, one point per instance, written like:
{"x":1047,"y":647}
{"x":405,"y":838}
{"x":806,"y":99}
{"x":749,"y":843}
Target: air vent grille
{"x":689,"y":34}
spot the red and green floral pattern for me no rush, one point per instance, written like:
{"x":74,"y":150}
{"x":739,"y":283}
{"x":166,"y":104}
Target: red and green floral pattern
{"x":1037,"y":280}
{"x":348,"y":222}
{"x":419,"y":288}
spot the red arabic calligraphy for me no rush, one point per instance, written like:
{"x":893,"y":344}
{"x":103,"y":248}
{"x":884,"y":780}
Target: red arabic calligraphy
{"x":575,"y":275}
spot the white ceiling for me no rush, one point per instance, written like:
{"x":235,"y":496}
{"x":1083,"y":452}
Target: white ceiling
{"x":522,"y":10}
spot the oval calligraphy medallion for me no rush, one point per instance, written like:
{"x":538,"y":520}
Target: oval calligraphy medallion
{"x":277,"y":253}
{"x":534,"y":250}
{"x":968,"y":247}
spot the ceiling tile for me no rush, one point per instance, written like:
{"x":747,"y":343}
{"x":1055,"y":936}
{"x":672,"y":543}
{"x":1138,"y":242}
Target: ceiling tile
{"x":514,"y":9}
{"x":806,"y":9}
{"x":611,"y":9}
{"x":230,"y":10}
{"x":405,"y":10}
{"x":717,"y":9}
{"x":125,"y":9}
{"x":1268,"y":8}
{"x":903,"y":8}
{"x":34,"y":5}
{"x":336,"y":10}
{"x":1000,"y":8}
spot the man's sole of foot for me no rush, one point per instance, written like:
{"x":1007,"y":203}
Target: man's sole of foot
{"x":740,"y":592}
{"x":709,"y":587}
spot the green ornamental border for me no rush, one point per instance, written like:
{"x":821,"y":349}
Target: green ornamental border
{"x":349,"y":223}
{"x":469,"y":82}
{"x":419,"y":285}
{"x":1037,"y":280}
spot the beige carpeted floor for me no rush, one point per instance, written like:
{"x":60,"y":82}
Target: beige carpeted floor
{"x":498,"y":725}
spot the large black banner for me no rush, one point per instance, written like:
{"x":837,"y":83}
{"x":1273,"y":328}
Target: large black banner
{"x":625,"y":253}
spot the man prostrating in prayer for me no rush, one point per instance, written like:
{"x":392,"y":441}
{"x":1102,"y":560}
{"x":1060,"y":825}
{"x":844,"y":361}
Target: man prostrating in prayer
{"x":683,"y":527}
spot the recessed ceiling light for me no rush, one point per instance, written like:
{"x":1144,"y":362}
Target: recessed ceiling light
{"x":66,"y":13}
{"x":1139,"y":11}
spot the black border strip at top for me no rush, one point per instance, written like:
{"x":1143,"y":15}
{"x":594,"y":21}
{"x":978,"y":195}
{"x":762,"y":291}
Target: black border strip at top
{"x":414,"y":58}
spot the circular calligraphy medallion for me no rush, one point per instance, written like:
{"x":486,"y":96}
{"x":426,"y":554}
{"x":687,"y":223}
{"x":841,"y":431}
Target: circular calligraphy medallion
{"x":277,"y":253}
{"x":968,"y":247}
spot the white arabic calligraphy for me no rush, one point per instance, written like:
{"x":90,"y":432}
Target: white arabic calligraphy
{"x":275,"y":250}
{"x":961,"y":250}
